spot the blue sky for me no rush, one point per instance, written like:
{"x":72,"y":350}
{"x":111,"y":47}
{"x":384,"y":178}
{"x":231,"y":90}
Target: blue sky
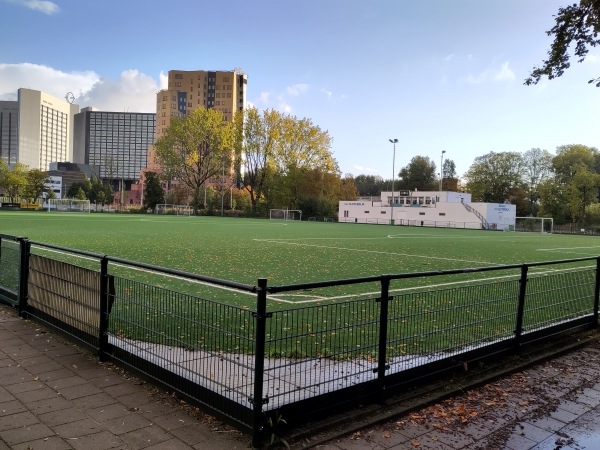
{"x":435,"y":74}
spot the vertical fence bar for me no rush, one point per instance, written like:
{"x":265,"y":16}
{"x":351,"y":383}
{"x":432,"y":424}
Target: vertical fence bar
{"x":103,"y":322}
{"x":597,"y":292}
{"x":24,"y":250}
{"x":383,"y":331}
{"x":521,"y":304}
{"x":259,"y":363}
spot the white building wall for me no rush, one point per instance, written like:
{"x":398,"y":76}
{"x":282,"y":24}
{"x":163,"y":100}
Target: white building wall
{"x":45,"y":129}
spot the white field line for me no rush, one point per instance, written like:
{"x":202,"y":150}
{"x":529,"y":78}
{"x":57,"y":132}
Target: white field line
{"x":379,"y":252}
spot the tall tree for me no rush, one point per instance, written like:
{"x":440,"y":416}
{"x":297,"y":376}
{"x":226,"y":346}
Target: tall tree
{"x":493,"y":177}
{"x":257,"y":137}
{"x":369,"y":185}
{"x":569,"y":157}
{"x":537,"y":168}
{"x":36,"y":184}
{"x":196,"y":147}
{"x":419,"y":174}
{"x":153,"y":191}
{"x":14,"y":181}
{"x":578,"y":24}
{"x":583,"y":191}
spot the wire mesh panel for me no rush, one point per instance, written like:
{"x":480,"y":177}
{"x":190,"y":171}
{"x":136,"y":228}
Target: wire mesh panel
{"x":320,"y":349}
{"x":555,"y":297}
{"x":9,"y":269}
{"x":431,"y":325}
{"x":62,"y":293}
{"x":186,"y":342}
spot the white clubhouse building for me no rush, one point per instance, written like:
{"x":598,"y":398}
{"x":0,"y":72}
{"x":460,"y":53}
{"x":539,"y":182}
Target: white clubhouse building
{"x":429,"y":209}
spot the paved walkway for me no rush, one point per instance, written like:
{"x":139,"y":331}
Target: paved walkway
{"x":54,"y":395}
{"x":551,"y":406}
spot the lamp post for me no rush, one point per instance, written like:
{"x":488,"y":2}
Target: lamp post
{"x":442,"y":169}
{"x":394,"y":142}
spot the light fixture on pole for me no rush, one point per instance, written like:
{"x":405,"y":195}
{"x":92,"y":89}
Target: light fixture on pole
{"x":394,"y":142}
{"x":442,"y":169}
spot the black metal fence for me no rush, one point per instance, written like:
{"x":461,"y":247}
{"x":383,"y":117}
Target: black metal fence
{"x":246,"y":364}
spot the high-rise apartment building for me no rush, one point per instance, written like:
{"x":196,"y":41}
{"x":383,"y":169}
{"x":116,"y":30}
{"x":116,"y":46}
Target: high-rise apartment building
{"x":188,"y":90}
{"x":115,"y":142}
{"x":45,"y":129}
{"x":9,"y":131}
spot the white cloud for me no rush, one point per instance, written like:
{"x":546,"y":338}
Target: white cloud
{"x":449,"y":57}
{"x":284,"y":106}
{"x":504,"y":73}
{"x":131,"y":91}
{"x":327,"y":93}
{"x":42,"y":6}
{"x":363,"y":169}
{"x":297,"y":89}
{"x":263,"y":98}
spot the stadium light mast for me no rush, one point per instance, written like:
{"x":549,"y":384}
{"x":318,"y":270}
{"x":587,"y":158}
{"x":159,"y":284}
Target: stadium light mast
{"x":442,"y":170}
{"x":394,"y":142}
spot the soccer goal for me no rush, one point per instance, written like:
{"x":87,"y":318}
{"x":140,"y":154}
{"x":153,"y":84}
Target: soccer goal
{"x":285,"y":214}
{"x":535,"y":224}
{"x":68,"y":205}
{"x":176,"y":210}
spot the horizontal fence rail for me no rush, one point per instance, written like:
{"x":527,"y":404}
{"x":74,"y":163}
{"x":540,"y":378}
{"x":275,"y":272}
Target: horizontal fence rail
{"x":247,"y":364}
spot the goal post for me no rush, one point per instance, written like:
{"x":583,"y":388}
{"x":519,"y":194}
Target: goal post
{"x":535,"y":224}
{"x":176,"y":210}
{"x":68,"y":205}
{"x":285,"y":214}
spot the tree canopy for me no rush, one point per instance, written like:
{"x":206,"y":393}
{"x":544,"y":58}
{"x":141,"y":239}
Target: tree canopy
{"x":577,"y":24}
{"x":419,"y":174}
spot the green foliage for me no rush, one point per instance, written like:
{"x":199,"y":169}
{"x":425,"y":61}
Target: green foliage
{"x":153,"y":191}
{"x":36,"y":184}
{"x":274,"y":424}
{"x":371,"y":185}
{"x":419,"y":174}
{"x":578,"y":24}
{"x":492,"y":177}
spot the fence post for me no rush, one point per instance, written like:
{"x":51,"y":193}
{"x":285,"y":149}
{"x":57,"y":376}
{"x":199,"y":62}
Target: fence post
{"x":103,"y":323}
{"x":259,"y":363}
{"x":24,"y":250}
{"x":521,"y":305}
{"x":383,"y":329}
{"x":597,"y":292}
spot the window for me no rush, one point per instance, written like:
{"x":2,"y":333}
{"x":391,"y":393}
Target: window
{"x":345,"y":213}
{"x":442,"y":214}
{"x":179,"y":76}
{"x":366,"y":212}
{"x":383,"y":212}
{"x":421,"y":213}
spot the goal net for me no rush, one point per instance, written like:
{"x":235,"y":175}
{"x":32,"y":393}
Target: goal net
{"x":68,"y":205}
{"x":535,"y":224}
{"x":285,"y":214}
{"x":176,"y":210}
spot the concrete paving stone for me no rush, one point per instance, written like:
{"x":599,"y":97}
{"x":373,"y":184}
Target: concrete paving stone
{"x":25,"y":385}
{"x":146,"y":437}
{"x":134,"y":400}
{"x":122,"y":389}
{"x":36,"y":395}
{"x":192,"y":434}
{"x":47,"y":405}
{"x":5,"y":361}
{"x":41,"y":369}
{"x":478,"y":430}
{"x":172,"y":444}
{"x":26,"y":434}
{"x":78,"y":428}
{"x":517,"y":441}
{"x":94,"y":401}
{"x":6,"y":396}
{"x":11,"y":407}
{"x":11,"y":370}
{"x":60,"y":417}
{"x":48,"y":443}
{"x":19,"y":377}
{"x":54,"y":374}
{"x":171,"y":420}
{"x":99,"y":441}
{"x":385,"y":437}
{"x":77,"y":359}
{"x":18,"y":420}
{"x":456,"y":439}
{"x":563,"y":415}
{"x":125,"y":424}
{"x":225,"y":444}
{"x":547,"y":423}
{"x":82,"y":390}
{"x":103,"y":380}
{"x":107,"y":412}
{"x":425,"y":442}
{"x":35,"y":361}
{"x":532,"y":432}
{"x":574,"y":407}
{"x":62,"y":383}
{"x":23,"y":352}
{"x":411,"y":430}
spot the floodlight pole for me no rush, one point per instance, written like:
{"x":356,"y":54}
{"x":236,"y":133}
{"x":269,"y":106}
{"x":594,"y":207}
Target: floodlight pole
{"x":441,"y":170}
{"x":394,"y":142}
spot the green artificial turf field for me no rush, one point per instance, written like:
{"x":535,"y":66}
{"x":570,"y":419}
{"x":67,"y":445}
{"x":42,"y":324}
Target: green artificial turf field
{"x":244,"y":250}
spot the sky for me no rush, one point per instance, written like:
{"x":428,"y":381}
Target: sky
{"x":438,"y":75}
